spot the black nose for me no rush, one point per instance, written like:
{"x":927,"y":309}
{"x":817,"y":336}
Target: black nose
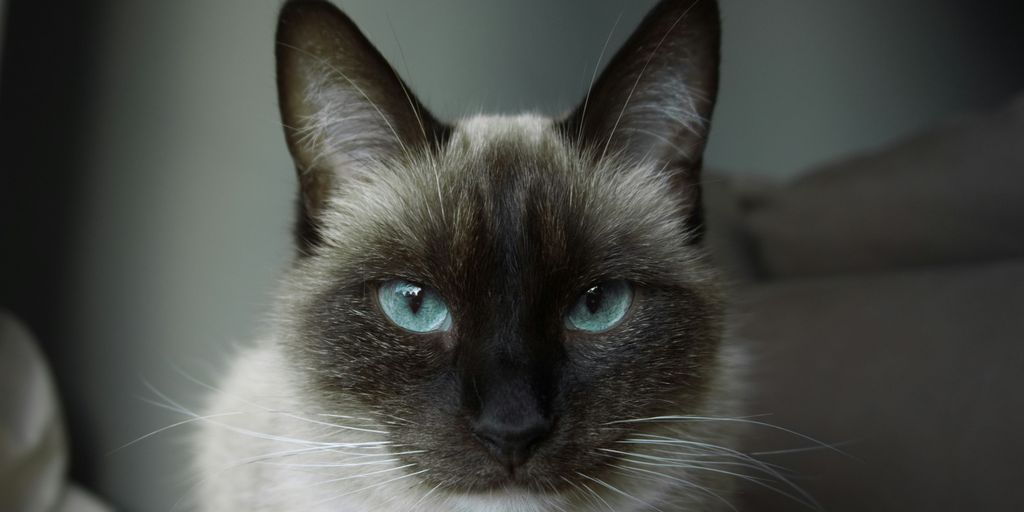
{"x":512,"y":442}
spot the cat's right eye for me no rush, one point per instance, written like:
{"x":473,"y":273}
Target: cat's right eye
{"x":413,"y":307}
{"x":601,"y":306}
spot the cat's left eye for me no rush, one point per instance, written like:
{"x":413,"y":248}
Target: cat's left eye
{"x":601,"y":306}
{"x":413,"y":306}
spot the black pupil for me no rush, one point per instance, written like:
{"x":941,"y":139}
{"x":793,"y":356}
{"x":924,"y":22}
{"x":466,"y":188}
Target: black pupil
{"x":593,"y":298}
{"x":414,"y":298}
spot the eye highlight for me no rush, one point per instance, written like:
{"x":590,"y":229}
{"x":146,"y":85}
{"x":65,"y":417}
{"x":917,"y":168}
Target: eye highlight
{"x":601,"y":306}
{"x":413,"y":307}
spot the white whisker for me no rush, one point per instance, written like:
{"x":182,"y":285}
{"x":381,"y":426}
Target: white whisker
{"x":664,"y":419}
{"x":424,"y":497}
{"x":617,"y":490}
{"x":374,"y":486}
{"x":593,"y":78}
{"x":679,"y":481}
{"x":307,"y":486}
{"x":169,"y":427}
{"x":593,"y":493}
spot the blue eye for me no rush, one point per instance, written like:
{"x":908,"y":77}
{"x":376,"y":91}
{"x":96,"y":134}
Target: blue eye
{"x":413,"y":307}
{"x":601,"y":306}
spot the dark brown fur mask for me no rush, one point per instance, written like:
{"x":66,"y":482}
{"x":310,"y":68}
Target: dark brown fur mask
{"x":509,"y":221}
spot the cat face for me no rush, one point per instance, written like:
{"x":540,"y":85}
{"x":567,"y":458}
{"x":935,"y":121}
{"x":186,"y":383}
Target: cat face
{"x":506,"y":290}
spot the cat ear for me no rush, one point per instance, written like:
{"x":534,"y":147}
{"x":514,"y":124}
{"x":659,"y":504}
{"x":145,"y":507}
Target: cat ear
{"x":654,"y":100}
{"x":343,"y":107}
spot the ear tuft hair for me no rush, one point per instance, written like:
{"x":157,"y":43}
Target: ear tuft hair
{"x":653,"y":102}
{"x":342,"y":105}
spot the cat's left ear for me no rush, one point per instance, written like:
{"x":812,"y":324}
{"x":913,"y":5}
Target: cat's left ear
{"x":343,"y":107}
{"x":654,"y":100}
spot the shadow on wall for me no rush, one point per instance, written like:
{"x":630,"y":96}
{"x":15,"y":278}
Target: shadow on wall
{"x":46,"y":88}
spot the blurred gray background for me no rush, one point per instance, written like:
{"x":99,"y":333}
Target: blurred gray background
{"x":147,"y":191}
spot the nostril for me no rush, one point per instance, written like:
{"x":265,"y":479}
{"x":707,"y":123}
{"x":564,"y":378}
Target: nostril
{"x":490,"y":443}
{"x":512,"y":444}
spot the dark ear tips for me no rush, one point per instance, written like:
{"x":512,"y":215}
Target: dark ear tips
{"x":655,"y":99}
{"x":342,"y":105}
{"x":299,"y":23}
{"x":295,"y":8}
{"x":340,"y":100}
{"x":657,"y":94}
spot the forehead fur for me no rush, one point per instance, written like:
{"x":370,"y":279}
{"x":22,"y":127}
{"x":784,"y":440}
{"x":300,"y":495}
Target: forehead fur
{"x":509,"y":188}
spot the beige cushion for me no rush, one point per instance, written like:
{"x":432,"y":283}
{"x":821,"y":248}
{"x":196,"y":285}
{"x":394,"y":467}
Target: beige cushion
{"x":33,"y":451}
{"x":955,"y":194}
{"x":921,"y":372}
{"x":33,"y":456}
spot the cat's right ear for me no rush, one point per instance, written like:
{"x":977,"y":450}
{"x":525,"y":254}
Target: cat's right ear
{"x":343,"y":107}
{"x":653,"y":103}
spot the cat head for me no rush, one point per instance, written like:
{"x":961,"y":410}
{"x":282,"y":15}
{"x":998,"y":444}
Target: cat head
{"x":502,"y":291}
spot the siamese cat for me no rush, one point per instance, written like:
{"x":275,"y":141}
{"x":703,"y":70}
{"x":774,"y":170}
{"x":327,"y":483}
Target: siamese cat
{"x":499,"y":314}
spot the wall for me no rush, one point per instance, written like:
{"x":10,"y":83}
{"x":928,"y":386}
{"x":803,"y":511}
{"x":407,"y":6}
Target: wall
{"x":805,"y":81}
